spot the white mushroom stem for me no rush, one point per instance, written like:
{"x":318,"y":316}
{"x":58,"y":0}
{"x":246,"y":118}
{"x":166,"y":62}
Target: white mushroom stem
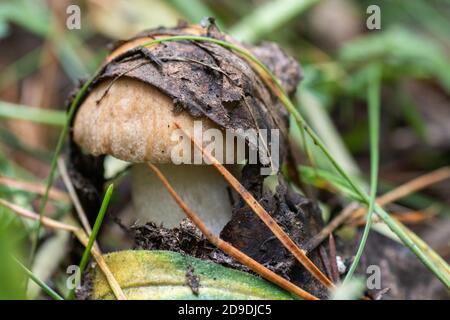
{"x":200,"y":186}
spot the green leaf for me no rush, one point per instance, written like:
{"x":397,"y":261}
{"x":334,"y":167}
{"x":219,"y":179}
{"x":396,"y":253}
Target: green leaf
{"x":158,"y":275}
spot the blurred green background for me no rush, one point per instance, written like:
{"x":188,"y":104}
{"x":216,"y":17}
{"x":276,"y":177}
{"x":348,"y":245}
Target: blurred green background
{"x":41,"y":61}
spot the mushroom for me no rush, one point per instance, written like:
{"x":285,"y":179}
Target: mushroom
{"x":135,"y":123}
{"x":139,"y":95}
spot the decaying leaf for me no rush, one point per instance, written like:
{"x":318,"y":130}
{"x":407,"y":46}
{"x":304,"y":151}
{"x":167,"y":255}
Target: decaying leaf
{"x":149,"y":275}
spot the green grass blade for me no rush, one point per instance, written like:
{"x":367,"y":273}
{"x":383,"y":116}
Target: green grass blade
{"x":374,"y":128}
{"x":76,"y":101}
{"x":427,"y":255}
{"x":39,"y":282}
{"x":269,"y":17}
{"x":43,"y":116}
{"x":95,"y":230}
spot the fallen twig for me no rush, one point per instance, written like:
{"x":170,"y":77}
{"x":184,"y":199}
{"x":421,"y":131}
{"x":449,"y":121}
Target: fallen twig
{"x":76,"y":202}
{"x":407,"y":217}
{"x":33,"y":187}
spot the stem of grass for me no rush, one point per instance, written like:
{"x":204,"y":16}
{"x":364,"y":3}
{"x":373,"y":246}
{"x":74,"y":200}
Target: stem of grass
{"x":76,"y":101}
{"x":93,"y":236}
{"x":373,"y":95}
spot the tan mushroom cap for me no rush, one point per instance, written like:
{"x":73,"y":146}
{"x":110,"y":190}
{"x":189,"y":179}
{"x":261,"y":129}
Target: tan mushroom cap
{"x":133,"y":122}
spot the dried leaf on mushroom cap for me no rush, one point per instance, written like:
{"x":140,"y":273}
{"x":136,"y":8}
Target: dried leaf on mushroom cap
{"x":206,"y":80}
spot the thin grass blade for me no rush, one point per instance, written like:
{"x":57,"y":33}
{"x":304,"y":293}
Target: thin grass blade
{"x":39,"y":282}
{"x":373,"y":95}
{"x":95,"y":230}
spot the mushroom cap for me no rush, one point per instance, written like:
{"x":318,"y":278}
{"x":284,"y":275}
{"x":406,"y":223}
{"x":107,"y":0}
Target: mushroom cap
{"x":133,"y":122}
{"x":129,"y":112}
